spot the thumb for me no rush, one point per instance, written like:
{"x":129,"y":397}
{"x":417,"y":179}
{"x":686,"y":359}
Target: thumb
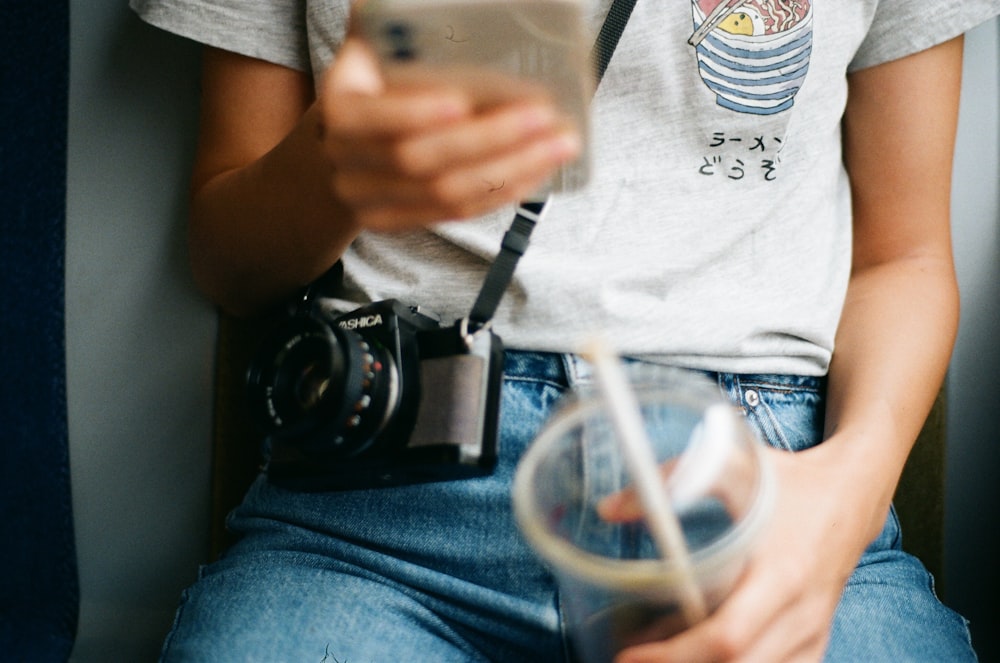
{"x":354,"y":70}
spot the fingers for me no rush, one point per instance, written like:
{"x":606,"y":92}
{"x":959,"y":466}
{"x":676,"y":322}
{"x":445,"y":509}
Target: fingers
{"x":357,"y":105}
{"x":723,"y":636}
{"x":405,"y":156}
{"x":782,"y":607}
{"x":759,"y":624}
{"x":625,"y":506}
{"x":389,"y":205}
{"x":436,"y":147}
{"x":454,"y":173}
{"x":449,"y":169}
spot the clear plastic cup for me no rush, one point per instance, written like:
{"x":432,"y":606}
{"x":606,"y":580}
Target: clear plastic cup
{"x":616,"y":588}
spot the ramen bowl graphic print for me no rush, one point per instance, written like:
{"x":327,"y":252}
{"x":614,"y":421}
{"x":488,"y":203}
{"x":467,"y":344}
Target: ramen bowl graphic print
{"x":753,"y":54}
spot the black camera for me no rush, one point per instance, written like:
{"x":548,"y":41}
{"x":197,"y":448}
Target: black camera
{"x":383,"y":395}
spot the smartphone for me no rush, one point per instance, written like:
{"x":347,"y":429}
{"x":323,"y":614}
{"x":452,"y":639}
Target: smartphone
{"x":499,"y":49}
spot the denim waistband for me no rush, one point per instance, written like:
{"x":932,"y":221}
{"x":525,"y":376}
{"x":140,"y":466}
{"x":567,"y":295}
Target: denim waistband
{"x":568,"y":369}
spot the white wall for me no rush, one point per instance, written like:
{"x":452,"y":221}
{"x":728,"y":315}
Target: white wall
{"x":973,"y":498}
{"x":140,"y":340}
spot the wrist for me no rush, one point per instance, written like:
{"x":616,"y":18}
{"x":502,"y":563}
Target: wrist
{"x":862,"y":473}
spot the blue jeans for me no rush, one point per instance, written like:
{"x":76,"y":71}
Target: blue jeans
{"x":438,"y":572}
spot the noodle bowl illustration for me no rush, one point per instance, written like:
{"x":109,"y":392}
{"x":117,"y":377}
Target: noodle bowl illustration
{"x":753,"y":54}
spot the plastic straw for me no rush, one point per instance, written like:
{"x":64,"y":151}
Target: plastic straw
{"x":640,"y":461}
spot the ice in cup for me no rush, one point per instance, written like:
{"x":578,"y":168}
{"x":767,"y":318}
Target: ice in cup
{"x":575,"y":506}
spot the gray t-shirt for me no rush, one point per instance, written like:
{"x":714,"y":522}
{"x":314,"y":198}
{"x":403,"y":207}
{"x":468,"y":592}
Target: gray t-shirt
{"x":716,"y":230}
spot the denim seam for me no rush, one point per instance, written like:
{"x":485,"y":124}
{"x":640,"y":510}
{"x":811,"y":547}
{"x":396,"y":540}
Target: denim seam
{"x":178,"y":616}
{"x":750,"y":383}
{"x":534,"y":380}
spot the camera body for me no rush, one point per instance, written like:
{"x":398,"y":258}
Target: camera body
{"x":383,"y":395}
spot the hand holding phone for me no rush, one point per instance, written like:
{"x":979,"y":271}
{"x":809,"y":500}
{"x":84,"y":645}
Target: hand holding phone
{"x":498,"y":50}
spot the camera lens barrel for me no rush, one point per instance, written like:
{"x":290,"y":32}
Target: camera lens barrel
{"x":329,"y":388}
{"x":370,"y":397}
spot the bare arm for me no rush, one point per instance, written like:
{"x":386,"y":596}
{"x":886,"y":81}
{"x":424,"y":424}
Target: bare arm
{"x":263,"y":219}
{"x":284,"y":182}
{"x":892,"y":350}
{"x":901,"y":314}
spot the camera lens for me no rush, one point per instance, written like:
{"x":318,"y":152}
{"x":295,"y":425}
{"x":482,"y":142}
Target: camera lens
{"x":327,"y":388}
{"x":311,"y":385}
{"x":400,"y":38}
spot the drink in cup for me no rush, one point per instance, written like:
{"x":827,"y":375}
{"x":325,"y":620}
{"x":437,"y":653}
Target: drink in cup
{"x":576,"y":503}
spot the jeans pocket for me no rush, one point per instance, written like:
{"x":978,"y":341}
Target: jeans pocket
{"x":785,"y":413}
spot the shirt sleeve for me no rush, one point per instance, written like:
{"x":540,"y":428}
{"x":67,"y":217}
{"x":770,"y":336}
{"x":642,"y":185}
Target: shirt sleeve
{"x":270,"y":30}
{"x":903,"y":27}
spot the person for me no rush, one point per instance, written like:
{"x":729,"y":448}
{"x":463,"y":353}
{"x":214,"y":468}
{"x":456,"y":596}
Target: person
{"x":785,"y":230}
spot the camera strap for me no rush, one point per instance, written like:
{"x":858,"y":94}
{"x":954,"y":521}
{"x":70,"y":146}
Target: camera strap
{"x":528,"y":213}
